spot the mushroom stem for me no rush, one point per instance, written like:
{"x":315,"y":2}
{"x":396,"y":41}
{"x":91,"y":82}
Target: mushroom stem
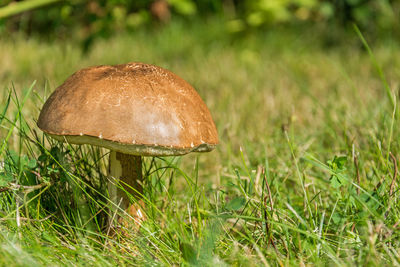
{"x":126,"y":170}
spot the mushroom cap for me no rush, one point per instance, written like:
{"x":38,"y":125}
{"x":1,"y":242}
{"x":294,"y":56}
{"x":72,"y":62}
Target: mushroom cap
{"x":133,"y":108}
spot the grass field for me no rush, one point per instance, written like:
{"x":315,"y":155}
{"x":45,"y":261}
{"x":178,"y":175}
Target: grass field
{"x":304,"y":172}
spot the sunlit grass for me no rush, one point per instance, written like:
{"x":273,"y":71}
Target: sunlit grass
{"x":311,"y":122}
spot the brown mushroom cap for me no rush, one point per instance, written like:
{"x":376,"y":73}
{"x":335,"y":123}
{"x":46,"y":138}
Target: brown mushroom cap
{"x":134,"y":108}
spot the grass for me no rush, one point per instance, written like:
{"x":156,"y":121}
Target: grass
{"x":303,"y":173}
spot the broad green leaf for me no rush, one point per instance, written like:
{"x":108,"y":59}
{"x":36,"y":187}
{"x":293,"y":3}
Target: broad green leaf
{"x":188,"y":253}
{"x":31,"y":163}
{"x":236,"y":204}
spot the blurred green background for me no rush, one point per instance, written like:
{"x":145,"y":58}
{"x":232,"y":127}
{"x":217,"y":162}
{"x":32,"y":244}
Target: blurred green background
{"x":89,"y":19}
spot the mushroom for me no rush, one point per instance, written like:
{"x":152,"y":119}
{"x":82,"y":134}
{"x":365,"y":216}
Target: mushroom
{"x":134,"y":110}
